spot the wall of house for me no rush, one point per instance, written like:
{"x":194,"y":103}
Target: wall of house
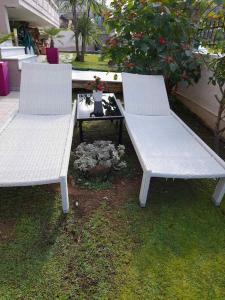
{"x":4,"y":21}
{"x":200,"y":98}
{"x":67,"y":42}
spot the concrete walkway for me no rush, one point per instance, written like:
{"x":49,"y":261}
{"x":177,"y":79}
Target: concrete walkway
{"x":8,"y":106}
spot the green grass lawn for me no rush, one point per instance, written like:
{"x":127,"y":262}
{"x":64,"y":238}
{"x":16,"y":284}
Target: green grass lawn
{"x":107,"y":247}
{"x":92,"y":62}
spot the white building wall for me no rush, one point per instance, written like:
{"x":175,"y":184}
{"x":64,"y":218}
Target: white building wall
{"x":200,"y":98}
{"x":66,"y":42}
{"x":4,"y":21}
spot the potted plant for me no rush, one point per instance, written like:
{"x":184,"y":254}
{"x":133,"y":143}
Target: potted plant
{"x":97,"y":86}
{"x":4,"y":73}
{"x":52,"y":53}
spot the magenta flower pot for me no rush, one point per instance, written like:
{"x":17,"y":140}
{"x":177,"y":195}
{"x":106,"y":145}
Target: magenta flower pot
{"x":52,"y":55}
{"x":4,"y":79}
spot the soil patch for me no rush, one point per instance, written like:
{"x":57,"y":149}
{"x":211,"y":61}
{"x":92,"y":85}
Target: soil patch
{"x":7,"y":229}
{"x":84,"y":201}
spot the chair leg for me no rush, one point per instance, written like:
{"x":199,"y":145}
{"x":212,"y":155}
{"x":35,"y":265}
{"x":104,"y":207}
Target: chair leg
{"x":64,"y":194}
{"x":144,"y":188}
{"x":219,"y":192}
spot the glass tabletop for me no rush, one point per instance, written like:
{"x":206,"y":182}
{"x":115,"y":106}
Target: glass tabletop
{"x":86,"y":105}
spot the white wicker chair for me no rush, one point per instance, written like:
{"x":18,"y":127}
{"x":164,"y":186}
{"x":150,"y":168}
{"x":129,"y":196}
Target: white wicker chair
{"x":35,"y":144}
{"x":166,"y":146}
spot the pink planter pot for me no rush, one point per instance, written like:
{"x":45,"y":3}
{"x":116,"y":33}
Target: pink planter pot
{"x":52,"y":55}
{"x":4,"y":79}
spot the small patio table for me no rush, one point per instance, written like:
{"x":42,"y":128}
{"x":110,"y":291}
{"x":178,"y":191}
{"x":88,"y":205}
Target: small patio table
{"x":110,"y":111}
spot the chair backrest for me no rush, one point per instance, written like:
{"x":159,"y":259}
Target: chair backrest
{"x":46,"y":89}
{"x":145,"y":95}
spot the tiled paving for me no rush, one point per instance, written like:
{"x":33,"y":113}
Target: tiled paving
{"x":8,"y":106}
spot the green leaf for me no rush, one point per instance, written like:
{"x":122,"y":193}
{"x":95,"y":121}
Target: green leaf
{"x":4,"y":38}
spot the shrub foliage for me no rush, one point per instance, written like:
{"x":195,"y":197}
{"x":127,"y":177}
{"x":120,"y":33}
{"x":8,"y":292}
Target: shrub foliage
{"x":154,"y":38}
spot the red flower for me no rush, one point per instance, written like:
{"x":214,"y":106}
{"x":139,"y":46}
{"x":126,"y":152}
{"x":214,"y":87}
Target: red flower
{"x":97,"y":84}
{"x":100,"y":87}
{"x":162,"y":41}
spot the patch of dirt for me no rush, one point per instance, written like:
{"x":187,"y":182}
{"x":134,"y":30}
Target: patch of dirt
{"x":7,"y":229}
{"x":84,"y":201}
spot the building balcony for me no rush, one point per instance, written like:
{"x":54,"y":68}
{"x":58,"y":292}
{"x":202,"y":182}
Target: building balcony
{"x":45,"y":11}
{"x":38,"y":13}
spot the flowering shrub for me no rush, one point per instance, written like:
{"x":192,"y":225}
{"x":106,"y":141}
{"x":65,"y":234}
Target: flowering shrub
{"x":97,"y":84}
{"x":102,"y":154}
{"x":154,"y":37}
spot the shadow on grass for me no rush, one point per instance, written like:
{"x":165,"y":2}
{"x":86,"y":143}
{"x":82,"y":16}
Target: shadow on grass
{"x":32,"y":218}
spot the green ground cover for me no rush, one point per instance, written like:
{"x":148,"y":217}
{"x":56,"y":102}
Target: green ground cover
{"x":92,"y":62}
{"x":107,"y":247}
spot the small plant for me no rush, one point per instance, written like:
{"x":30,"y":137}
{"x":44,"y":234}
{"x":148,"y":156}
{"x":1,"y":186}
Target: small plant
{"x":4,"y":38}
{"x":97,"y":84}
{"x":99,"y":157}
{"x":52,"y":33}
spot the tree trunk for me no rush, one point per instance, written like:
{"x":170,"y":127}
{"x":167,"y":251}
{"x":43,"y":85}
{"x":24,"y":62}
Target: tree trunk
{"x":78,"y":55}
{"x":216,"y":143}
{"x":217,"y":128}
{"x":76,"y":34}
{"x":83,"y":48}
{"x":83,"y":45}
{"x":169,"y":86}
{"x":52,"y":44}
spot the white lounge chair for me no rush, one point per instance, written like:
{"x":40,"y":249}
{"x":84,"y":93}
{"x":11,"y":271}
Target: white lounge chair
{"x":35,"y":144}
{"x":165,"y":146}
